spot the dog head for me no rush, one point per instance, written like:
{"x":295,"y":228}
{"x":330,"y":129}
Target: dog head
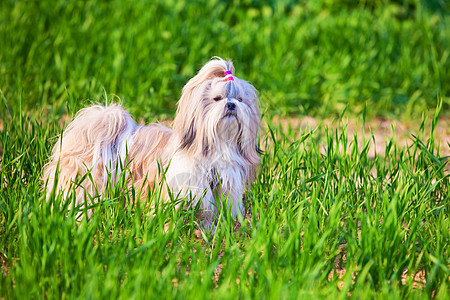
{"x":216,"y":110}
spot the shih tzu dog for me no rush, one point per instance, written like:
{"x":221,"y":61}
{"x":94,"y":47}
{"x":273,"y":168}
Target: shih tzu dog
{"x":210,"y":155}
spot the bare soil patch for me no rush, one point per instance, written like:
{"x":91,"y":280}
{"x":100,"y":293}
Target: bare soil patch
{"x":382,"y":129}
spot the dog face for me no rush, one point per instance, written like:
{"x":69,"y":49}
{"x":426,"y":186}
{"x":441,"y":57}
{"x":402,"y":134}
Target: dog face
{"x":215,"y":112}
{"x":230,"y":111}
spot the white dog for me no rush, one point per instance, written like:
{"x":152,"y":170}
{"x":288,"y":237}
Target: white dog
{"x":209,"y":153}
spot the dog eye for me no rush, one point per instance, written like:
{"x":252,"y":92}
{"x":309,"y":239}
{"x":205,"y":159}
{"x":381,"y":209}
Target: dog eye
{"x":217,"y":98}
{"x":239,"y":99}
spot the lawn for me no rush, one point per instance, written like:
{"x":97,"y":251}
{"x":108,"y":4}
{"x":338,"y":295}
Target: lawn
{"x":338,"y":210}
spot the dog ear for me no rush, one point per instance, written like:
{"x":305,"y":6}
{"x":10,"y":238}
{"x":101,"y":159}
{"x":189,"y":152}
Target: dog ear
{"x":188,"y":136}
{"x":247,"y":140}
{"x":205,"y":146}
{"x":187,"y":117}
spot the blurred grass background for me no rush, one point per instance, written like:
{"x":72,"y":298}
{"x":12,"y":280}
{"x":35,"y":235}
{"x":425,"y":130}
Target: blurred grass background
{"x":305,"y":57}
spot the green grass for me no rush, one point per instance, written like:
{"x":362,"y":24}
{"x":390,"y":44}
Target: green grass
{"x":321,"y":203}
{"x":307,"y":57}
{"x":309,"y":208}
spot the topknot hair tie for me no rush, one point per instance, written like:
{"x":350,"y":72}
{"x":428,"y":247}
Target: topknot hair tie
{"x":228,"y":76}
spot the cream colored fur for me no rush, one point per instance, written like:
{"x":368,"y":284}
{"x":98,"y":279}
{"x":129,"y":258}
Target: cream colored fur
{"x":211,"y":149}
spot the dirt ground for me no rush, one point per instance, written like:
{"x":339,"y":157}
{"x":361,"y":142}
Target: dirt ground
{"x":383,"y":130}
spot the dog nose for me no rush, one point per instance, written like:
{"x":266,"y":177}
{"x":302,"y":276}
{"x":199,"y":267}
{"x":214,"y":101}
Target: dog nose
{"x":231,"y":106}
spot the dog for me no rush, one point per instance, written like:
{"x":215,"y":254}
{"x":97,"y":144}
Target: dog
{"x":209,"y":155}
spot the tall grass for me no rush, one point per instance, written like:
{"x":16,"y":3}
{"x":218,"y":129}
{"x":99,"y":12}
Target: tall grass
{"x":324,"y":220}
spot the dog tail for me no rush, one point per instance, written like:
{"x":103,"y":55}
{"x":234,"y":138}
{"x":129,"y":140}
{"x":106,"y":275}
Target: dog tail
{"x":93,"y":142}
